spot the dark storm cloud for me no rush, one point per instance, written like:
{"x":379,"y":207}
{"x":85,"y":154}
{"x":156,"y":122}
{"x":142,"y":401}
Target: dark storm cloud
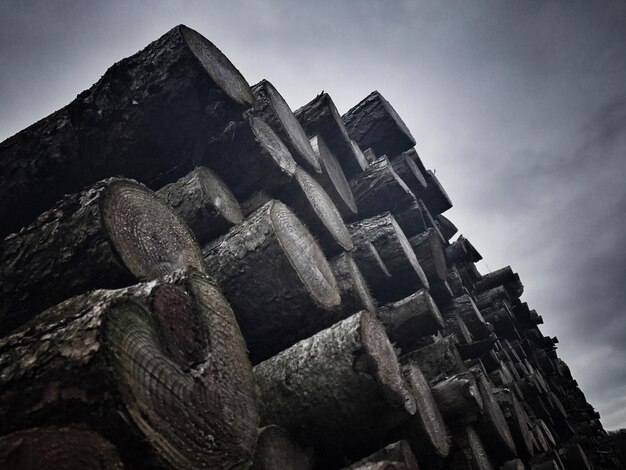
{"x":519,"y":106}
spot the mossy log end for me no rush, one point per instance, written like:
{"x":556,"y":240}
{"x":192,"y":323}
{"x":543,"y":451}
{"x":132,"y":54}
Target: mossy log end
{"x":155,"y":369}
{"x":140,"y":120}
{"x":111,"y":235}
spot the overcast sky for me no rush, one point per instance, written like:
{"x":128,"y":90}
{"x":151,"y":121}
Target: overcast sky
{"x":520,"y":107}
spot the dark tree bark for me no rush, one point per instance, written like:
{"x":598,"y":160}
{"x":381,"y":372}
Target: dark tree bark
{"x":415,"y":218}
{"x":438,"y":360}
{"x":248,"y":156}
{"x":575,"y":459}
{"x":139,"y":120}
{"x":374,"y":123}
{"x":139,"y":367}
{"x":411,"y":318}
{"x":435,"y":197}
{"x":369,"y":155}
{"x":464,"y":307}
{"x":204,"y":202}
{"x":478,"y":453}
{"x":395,"y":250}
{"x":275,"y":111}
{"x":461,"y":250}
{"x":333,"y":179}
{"x":447,"y":228}
{"x":276,"y":450}
{"x":371,"y":265}
{"x":406,"y":168}
{"x":502,"y":277}
{"x":517,"y":420}
{"x":277,"y":279}
{"x":458,"y":396}
{"x":455,"y":282}
{"x":320,"y":117}
{"x":396,"y":456}
{"x":86,"y":242}
{"x":477,"y":348}
{"x":64,"y":448}
{"x":430,"y":254}
{"x":493,"y":298}
{"x":355,"y":294}
{"x":336,"y":389}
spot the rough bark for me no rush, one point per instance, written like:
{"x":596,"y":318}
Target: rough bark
{"x":355,"y":294}
{"x":435,"y":197}
{"x":475,"y":349}
{"x":407,"y":170}
{"x":276,"y":450}
{"x":277,"y":279}
{"x":447,"y":228}
{"x":308,"y":200}
{"x":515,"y":464}
{"x":517,"y":420}
{"x":397,"y":456}
{"x":461,"y":250}
{"x":369,"y":155}
{"x":430,"y":254}
{"x":59,"y":448}
{"x":371,"y":265}
{"x":494,"y":297}
{"x":336,"y":389}
{"x":248,"y":156}
{"x":111,"y":235}
{"x":502,"y":277}
{"x":438,"y":360}
{"x":204,"y":202}
{"x":275,"y":111}
{"x":320,"y":117}
{"x":138,"y":366}
{"x":458,"y":396}
{"x":411,"y":318}
{"x":415,"y":218}
{"x":395,"y":250}
{"x":479,"y":456}
{"x":139,"y":120}
{"x":375,"y":124}
{"x":464,"y":307}
{"x":333,"y":179}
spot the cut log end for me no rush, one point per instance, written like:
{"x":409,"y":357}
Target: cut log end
{"x":151,"y":240}
{"x":219,"y":68}
{"x":220,"y":195}
{"x":355,"y":294}
{"x":274,"y":146}
{"x":301,"y":248}
{"x":410,"y":254}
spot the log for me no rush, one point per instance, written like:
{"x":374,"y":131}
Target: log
{"x":430,"y":254}
{"x":502,"y":277}
{"x":517,"y":420}
{"x":248,"y":156}
{"x":494,"y":297}
{"x":515,"y":464}
{"x":458,"y":328}
{"x":475,"y":349}
{"x":320,"y":117}
{"x":441,"y":292}
{"x":204,"y":202}
{"x":276,"y":450}
{"x":547,"y":465}
{"x":447,"y":228}
{"x":371,"y":265}
{"x":378,"y":189}
{"x":139,"y":120}
{"x":575,"y":459}
{"x":435,"y":197}
{"x":461,"y":250}
{"x":410,"y":318}
{"x":438,"y":360}
{"x":312,"y":205}
{"x":276,"y":277}
{"x":333,"y":179}
{"x":360,"y":156}
{"x":384,"y":233}
{"x":336,"y":389}
{"x":84,"y":243}
{"x":60,"y":448}
{"x":479,"y":455}
{"x":415,"y":218}
{"x":272,"y":108}
{"x":393,"y":456}
{"x":406,"y":168}
{"x":369,"y":155}
{"x":138,"y":366}
{"x":458,"y":396}
{"x":464,"y":307}
{"x":374,"y":123}
{"x":355,"y":294}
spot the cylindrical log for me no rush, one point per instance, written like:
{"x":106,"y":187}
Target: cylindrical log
{"x":448,"y":229}
{"x":395,"y":250}
{"x":462,"y":250}
{"x":458,"y":396}
{"x":464,"y":307}
{"x":457,"y":327}
{"x":63,"y":448}
{"x":320,"y":117}
{"x":430,"y":254}
{"x":502,"y":277}
{"x":477,"y":348}
{"x":308,"y":200}
{"x":575,"y":459}
{"x":333,"y":179}
{"x":494,"y":297}
{"x":405,"y":168}
{"x":257,"y":200}
{"x":355,"y":294}
{"x":360,"y":156}
{"x":396,"y":456}
{"x":336,"y":389}
{"x":374,"y":123}
{"x":276,"y":277}
{"x":438,"y":360}
{"x":435,"y":197}
{"x":139,"y":120}
{"x":276,"y":450}
{"x":275,"y":111}
{"x":138,"y":366}
{"x":547,"y":465}
{"x":411,"y":318}
{"x":111,"y":235}
{"x":518,"y":421}
{"x":369,"y":155}
{"x":479,"y":455}
{"x":204,"y":202}
{"x":248,"y":156}
{"x":455,"y":281}
{"x":371,"y":265}
{"x":515,"y":464}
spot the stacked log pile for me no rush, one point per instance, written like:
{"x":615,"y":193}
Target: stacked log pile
{"x":290,"y":297}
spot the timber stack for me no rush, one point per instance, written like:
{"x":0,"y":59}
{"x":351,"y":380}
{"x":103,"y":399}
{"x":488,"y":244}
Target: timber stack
{"x":225,"y":283}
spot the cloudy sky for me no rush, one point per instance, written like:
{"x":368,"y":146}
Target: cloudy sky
{"x":520,"y":107}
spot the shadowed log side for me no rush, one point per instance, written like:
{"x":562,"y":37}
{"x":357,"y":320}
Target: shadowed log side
{"x":374,"y":123}
{"x":276,"y":450}
{"x":502,"y":277}
{"x":138,"y":366}
{"x":458,"y":396}
{"x":204,"y":202}
{"x":480,"y":457}
{"x":415,"y":218}
{"x":373,"y":268}
{"x":430,"y":254}
{"x":517,"y":420}
{"x":64,"y":448}
{"x":397,"y":456}
{"x":111,"y":235}
{"x":139,"y":120}
{"x":464,"y":307}
{"x":248,"y":156}
{"x":320,"y":117}
{"x":336,"y":389}
{"x":360,"y":156}
{"x":435,"y":197}
{"x":447,"y":228}
{"x":461,"y":250}
{"x":276,"y":277}
{"x":515,"y":464}
{"x":438,"y":360}
{"x":575,"y":458}
{"x":308,"y":200}
{"x":333,"y":179}
{"x":275,"y":111}
{"x":411,"y":318}
{"x":407,"y":170}
{"x":355,"y":294}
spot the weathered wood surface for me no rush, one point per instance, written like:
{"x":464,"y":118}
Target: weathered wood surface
{"x":502,"y":277}
{"x":415,"y":218}
{"x":464,"y":307}
{"x":448,"y":229}
{"x":86,"y":242}
{"x":138,"y":366}
{"x":517,"y":420}
{"x":140,"y":120}
{"x":430,"y":254}
{"x":438,"y":360}
{"x":277,"y":279}
{"x":458,"y":396}
{"x":276,"y":450}
{"x":434,"y":196}
{"x":355,"y":294}
{"x":396,"y":456}
{"x":204,"y":202}
{"x":406,"y":168}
